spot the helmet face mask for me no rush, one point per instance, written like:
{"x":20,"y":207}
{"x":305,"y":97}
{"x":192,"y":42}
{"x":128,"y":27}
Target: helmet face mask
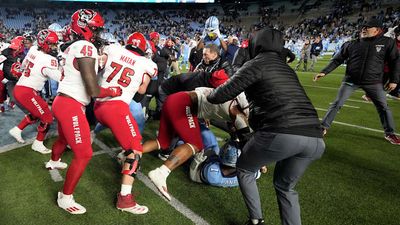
{"x":47,"y":40}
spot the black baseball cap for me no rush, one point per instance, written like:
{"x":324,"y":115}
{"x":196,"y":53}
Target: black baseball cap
{"x":373,"y":22}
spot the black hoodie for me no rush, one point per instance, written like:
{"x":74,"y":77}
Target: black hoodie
{"x":278,"y":102}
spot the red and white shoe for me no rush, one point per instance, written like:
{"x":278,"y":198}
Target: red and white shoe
{"x":392,"y":138}
{"x":51,"y":165}
{"x":128,"y":204}
{"x":68,"y":203}
{"x":160,"y":180}
{"x":2,"y":109}
{"x":11,"y":105}
{"x":16,"y":133}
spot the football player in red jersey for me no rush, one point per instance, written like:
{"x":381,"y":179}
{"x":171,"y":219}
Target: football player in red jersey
{"x":128,"y":68}
{"x":77,"y":85}
{"x":39,"y":64}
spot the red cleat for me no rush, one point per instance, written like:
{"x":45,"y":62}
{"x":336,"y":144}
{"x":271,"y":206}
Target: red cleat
{"x":392,"y":138}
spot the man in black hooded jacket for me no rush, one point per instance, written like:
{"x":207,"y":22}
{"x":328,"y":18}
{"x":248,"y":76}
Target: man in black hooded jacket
{"x":286,"y":126}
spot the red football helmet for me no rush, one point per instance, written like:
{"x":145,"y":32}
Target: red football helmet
{"x":66,"y":33}
{"x":86,"y":24}
{"x":245,"y":43}
{"x":17,"y":44}
{"x":137,"y":40}
{"x":45,"y":38}
{"x":154,"y":35}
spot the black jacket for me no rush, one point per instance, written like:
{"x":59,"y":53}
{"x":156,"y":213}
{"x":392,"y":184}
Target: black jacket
{"x":287,"y":55}
{"x":316,"y":48}
{"x":195,"y":57}
{"x":366,"y":59}
{"x":160,"y":58}
{"x":186,"y":82}
{"x":241,"y":56}
{"x":278,"y":102}
{"x":215,"y":65}
{"x":7,"y":64}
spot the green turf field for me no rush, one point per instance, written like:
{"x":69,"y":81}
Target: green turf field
{"x":355,"y":182}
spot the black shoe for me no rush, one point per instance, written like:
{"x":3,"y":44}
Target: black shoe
{"x":164,"y":154}
{"x":260,"y":222}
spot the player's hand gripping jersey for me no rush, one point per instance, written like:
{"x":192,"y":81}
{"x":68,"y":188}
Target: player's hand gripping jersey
{"x":37,"y":68}
{"x":125,"y":69}
{"x":71,"y":82}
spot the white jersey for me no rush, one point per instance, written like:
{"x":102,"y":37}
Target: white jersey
{"x":37,"y":68}
{"x":3,"y":45}
{"x":71,"y":82}
{"x":207,"y":110}
{"x":125,"y":69}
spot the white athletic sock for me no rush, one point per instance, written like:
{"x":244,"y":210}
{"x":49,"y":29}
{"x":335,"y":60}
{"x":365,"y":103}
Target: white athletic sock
{"x":164,"y":169}
{"x":66,"y":196}
{"x":126,"y":189}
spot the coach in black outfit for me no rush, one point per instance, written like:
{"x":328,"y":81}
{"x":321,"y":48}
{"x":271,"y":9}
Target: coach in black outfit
{"x":366,"y":57}
{"x":286,"y":126}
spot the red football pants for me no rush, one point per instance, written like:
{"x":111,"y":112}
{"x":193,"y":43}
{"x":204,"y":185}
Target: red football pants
{"x":177,"y":120}
{"x":117,"y":116}
{"x":3,"y":92}
{"x":74,"y":130}
{"x":36,"y":106}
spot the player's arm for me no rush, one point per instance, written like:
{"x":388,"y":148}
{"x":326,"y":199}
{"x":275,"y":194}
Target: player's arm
{"x":86,"y":66}
{"x":52,"y":73}
{"x":143,"y":87}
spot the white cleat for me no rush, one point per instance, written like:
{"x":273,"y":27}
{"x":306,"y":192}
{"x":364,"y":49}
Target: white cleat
{"x":51,"y":165}
{"x":16,"y":133}
{"x":38,"y":146}
{"x":68,"y":203}
{"x":158,"y":178}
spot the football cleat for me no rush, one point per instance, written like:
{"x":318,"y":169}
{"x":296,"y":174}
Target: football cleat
{"x":38,"y":146}
{"x":51,"y":165}
{"x":393,"y":139}
{"x":158,"y":178}
{"x":128,"y":204}
{"x":16,"y":133}
{"x":68,"y":203}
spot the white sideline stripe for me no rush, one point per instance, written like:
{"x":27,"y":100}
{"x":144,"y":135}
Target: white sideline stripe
{"x":15,"y":145}
{"x":330,"y":88}
{"x":179,"y":206}
{"x":321,"y":109}
{"x":360,"y":101}
{"x":351,"y":106}
{"x":360,"y":127}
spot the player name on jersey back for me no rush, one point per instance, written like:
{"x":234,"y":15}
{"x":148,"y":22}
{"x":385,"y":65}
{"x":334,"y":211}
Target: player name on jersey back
{"x":125,"y":69}
{"x":34,"y":64}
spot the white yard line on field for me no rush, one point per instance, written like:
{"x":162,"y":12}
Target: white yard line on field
{"x":179,"y":206}
{"x":29,"y":141}
{"x":351,"y":106}
{"x":55,"y":175}
{"x":330,"y":88}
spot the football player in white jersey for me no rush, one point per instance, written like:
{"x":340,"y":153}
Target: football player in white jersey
{"x":38,"y":65}
{"x":128,"y":68}
{"x":77,"y":85}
